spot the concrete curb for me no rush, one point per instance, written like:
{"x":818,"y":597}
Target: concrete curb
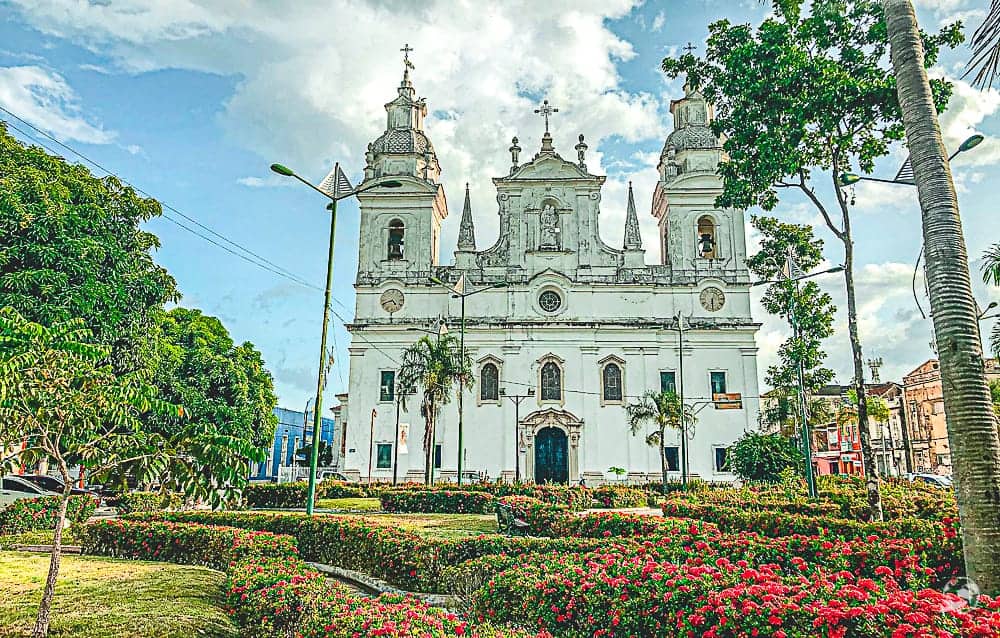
{"x":376,"y":586}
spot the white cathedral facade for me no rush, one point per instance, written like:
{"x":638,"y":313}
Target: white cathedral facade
{"x":575,"y":327}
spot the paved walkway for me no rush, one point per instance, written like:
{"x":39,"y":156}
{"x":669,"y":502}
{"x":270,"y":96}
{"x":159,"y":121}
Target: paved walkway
{"x":645,"y":511}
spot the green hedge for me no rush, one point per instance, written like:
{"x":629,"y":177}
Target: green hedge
{"x":409,"y":561}
{"x":26,"y":514}
{"x":613,"y":496}
{"x":271,"y":592}
{"x":441,"y":501}
{"x":132,"y":502}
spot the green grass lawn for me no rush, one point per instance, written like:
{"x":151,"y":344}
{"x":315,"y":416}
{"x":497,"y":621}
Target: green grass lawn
{"x":441,"y":525}
{"x":104,"y":598}
{"x":352,"y":504}
{"x":37,"y":537}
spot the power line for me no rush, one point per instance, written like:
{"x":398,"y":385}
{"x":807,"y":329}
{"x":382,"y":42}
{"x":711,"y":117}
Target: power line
{"x":250,"y":257}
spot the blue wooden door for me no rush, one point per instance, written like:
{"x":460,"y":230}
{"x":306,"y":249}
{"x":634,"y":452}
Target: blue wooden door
{"x":551,"y":462}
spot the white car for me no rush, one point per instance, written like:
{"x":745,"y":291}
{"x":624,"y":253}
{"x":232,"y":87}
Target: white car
{"x":13,"y":488}
{"x":934,"y":479}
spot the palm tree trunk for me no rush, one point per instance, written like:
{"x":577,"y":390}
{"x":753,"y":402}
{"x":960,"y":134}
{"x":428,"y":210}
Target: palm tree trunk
{"x":972,"y":427}
{"x":867,"y":458}
{"x":663,"y":458}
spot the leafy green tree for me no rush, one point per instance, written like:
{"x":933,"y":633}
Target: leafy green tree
{"x":435,"y":365}
{"x":228,"y":398}
{"x":662,"y":410}
{"x":57,"y":396}
{"x":972,"y":427}
{"x":71,"y":246}
{"x":763,"y":457}
{"x":995,"y":396}
{"x":813,"y":311}
{"x":801,"y":99}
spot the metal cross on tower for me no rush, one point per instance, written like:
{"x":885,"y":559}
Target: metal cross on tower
{"x":406,"y":55}
{"x":545,"y":111}
{"x":690,"y":48}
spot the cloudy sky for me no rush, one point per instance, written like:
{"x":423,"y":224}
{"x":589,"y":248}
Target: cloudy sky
{"x":191,"y":100}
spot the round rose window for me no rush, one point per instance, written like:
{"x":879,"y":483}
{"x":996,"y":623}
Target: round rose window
{"x":549,"y":300}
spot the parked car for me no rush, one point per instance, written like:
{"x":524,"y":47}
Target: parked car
{"x":332,"y":476}
{"x":14,"y":488}
{"x":936,"y":480}
{"x":52,"y":484}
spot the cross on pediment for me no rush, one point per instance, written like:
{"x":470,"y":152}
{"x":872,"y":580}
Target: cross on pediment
{"x":406,"y":55}
{"x":546,"y":110}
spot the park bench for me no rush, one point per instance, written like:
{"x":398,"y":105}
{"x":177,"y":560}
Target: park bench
{"x":508,"y":524}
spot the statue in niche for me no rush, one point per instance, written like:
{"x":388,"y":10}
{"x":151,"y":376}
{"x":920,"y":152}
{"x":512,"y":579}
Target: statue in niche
{"x":549,"y":221}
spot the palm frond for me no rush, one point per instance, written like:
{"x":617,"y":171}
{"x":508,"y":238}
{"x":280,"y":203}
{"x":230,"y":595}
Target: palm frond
{"x":985,"y":44}
{"x":991,"y":263}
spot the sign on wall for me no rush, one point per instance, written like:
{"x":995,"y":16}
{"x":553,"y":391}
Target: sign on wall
{"x":404,"y":435}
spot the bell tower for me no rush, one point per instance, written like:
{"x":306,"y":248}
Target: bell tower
{"x":401,"y":227}
{"x":696,"y":237}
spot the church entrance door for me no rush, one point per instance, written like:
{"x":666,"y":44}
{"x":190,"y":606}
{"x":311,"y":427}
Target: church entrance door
{"x":551,"y":463}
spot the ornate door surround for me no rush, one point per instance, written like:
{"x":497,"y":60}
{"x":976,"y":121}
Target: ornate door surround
{"x":555,"y":418}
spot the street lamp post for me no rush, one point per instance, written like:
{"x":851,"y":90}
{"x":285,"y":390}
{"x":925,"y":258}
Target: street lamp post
{"x":321,"y":377}
{"x":458,"y":291}
{"x":787,"y":274}
{"x":516,"y":400}
{"x":680,"y":396}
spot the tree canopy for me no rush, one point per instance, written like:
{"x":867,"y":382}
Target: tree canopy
{"x":71,"y":247}
{"x":763,"y":457}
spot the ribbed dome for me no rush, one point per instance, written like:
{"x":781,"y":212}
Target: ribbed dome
{"x":694,"y":136}
{"x":406,"y":140}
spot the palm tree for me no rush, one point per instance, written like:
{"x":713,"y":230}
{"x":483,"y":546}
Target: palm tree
{"x":991,"y":274}
{"x":986,"y":48}
{"x":662,"y":410}
{"x":972,"y":426}
{"x":436,"y":366}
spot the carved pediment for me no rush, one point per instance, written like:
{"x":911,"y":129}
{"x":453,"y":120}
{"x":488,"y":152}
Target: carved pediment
{"x":551,"y":416}
{"x":551,"y":166}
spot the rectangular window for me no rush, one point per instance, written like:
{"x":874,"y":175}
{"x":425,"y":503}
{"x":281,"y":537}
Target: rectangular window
{"x":673,"y":458}
{"x":383,"y":456}
{"x":718,"y":382}
{"x":387,"y":386}
{"x":721,"y":461}
{"x":437,"y":456}
{"x":668,"y":381}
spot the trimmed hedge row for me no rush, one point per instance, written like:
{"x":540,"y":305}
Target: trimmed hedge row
{"x":409,"y":561}
{"x":28,"y":514}
{"x":611,"y":496}
{"x":132,"y":502}
{"x":936,"y":543}
{"x":271,"y":592}
{"x":446,"y":501}
{"x":620,"y":594}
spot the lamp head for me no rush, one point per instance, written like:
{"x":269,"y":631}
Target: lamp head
{"x":846,"y":179}
{"x":991,"y":306}
{"x":503,"y":392}
{"x":971,"y":143}
{"x":281,"y":169}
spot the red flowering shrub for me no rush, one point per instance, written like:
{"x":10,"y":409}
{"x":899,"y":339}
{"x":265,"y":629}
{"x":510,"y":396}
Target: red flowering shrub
{"x":619,"y":496}
{"x":443,"y":501}
{"x":210,"y":546}
{"x":131,"y":502}
{"x":28,"y":514}
{"x":616,"y":594}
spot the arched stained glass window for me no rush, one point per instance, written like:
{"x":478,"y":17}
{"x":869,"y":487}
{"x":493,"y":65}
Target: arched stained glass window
{"x":612,"y":382}
{"x":489,"y":383}
{"x":551,"y":382}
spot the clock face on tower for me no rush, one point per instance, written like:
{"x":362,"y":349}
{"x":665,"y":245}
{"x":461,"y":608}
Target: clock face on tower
{"x":712,"y":299}
{"x":392,"y":300}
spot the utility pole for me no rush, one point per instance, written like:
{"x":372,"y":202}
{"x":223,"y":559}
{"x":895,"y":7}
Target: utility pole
{"x":790,"y":269}
{"x":516,"y":400}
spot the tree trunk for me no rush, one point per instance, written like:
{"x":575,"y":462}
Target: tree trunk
{"x":45,"y":607}
{"x":663,"y":459}
{"x":972,"y":427}
{"x":867,"y":458}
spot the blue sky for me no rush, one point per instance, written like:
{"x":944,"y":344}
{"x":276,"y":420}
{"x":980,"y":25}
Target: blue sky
{"x":191,"y":101}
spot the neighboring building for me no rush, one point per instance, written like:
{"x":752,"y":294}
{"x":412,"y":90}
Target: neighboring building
{"x":925,"y":403}
{"x":836,"y":449}
{"x":292,"y":433}
{"x":587,"y":326}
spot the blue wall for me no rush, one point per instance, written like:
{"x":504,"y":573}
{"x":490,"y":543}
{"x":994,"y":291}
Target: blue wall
{"x":291,"y":423}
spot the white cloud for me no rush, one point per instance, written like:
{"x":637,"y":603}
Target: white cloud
{"x":311,"y":99}
{"x":44,"y":99}
{"x":659,"y":21}
{"x":967,"y":109}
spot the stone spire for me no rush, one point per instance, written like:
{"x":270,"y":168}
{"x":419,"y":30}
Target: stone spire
{"x":632,"y":239}
{"x":465,"y":253}
{"x":467,"y":230}
{"x":635,"y":256}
